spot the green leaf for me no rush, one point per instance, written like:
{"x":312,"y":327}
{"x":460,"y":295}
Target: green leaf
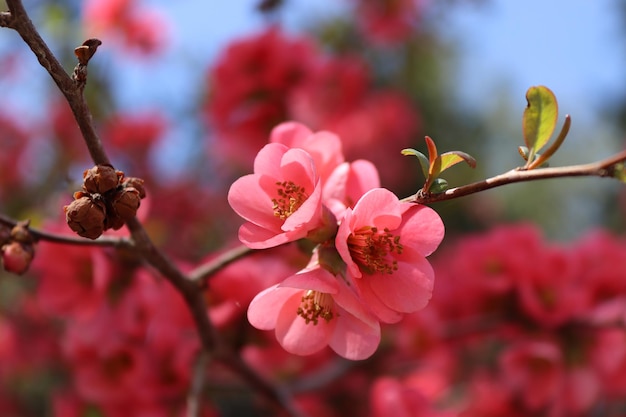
{"x":539,"y":118}
{"x":452,"y":158}
{"x":424,"y":164}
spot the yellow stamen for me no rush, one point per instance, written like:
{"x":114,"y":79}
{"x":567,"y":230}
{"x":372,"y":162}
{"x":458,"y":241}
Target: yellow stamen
{"x":316,"y":305}
{"x":290,"y":198}
{"x":371,"y":249}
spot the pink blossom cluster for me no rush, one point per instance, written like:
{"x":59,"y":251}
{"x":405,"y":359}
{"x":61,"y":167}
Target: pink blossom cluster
{"x":268,"y":78}
{"x":368,"y":263}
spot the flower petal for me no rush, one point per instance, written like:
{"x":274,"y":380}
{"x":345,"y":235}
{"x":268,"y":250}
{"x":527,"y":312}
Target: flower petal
{"x":354,"y":339}
{"x":422,"y":229}
{"x":266,"y":305}
{"x":298,"y":337}
{"x":409,"y":288}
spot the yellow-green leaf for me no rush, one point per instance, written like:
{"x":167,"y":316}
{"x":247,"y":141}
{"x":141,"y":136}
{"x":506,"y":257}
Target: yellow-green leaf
{"x":539,"y":118}
{"x":451,"y":158}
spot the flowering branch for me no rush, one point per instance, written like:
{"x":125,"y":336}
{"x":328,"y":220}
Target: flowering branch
{"x":604,"y":168}
{"x":191,"y":289}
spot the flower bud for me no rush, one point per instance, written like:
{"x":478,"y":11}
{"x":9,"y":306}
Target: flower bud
{"x":20,"y":233}
{"x":16,"y":257}
{"x":136,"y":183}
{"x":86,"y":217}
{"x":101,"y":179}
{"x":126,"y":202}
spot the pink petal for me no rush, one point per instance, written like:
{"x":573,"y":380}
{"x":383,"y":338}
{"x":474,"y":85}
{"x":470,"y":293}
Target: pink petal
{"x":378,"y":207}
{"x":354,"y":339}
{"x":268,"y":159}
{"x":290,"y":134}
{"x":341,"y":243}
{"x":383,"y":312}
{"x":317,"y":279}
{"x":408,"y":289}
{"x":422,"y":229}
{"x":249,"y":200}
{"x":257,"y":237}
{"x":265,"y":307}
{"x":297,"y":337}
{"x":297,"y":165}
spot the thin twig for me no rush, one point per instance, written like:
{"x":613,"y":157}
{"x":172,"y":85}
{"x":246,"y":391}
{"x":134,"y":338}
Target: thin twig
{"x":119,"y":242}
{"x":194,"y":403}
{"x":202,"y":272}
{"x":603,"y":168}
{"x":22,"y":24}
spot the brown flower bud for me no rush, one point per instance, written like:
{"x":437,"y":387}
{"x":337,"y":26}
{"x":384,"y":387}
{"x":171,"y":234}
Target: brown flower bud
{"x":136,"y":183}
{"x":113,"y":221}
{"x":86,"y":217}
{"x":16,"y":257}
{"x":20,"y":233}
{"x":100,"y":179}
{"x":126,"y":202}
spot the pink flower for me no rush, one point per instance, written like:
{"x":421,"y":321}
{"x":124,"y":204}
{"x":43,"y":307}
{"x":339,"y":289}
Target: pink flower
{"x":384,"y":243}
{"x":313,"y":309}
{"x":324,"y":147}
{"x":281,"y":201}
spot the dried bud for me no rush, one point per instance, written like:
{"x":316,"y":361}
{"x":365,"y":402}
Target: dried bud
{"x":100,"y":179}
{"x":113,"y":221}
{"x":20,"y":233}
{"x":86,"y":217}
{"x":16,"y":257}
{"x":126,"y":202}
{"x":137,"y":184}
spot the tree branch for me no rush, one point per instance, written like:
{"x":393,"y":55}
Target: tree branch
{"x":119,"y":242}
{"x":603,"y":168}
{"x":201,"y":273}
{"x":22,"y":24}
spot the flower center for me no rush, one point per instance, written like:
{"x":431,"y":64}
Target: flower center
{"x":316,"y":305}
{"x":371,"y":249}
{"x":290,"y":198}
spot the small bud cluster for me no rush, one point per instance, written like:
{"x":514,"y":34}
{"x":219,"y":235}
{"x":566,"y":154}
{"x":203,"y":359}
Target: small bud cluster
{"x":106,"y":201}
{"x":17,"y":248}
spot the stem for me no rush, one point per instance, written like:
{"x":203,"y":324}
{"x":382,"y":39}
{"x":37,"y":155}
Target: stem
{"x":22,"y":24}
{"x":603,"y":168}
{"x":201,"y":273}
{"x":71,"y":240}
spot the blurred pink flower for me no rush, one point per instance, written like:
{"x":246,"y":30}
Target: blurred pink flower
{"x":313,"y":309}
{"x":281,"y":201}
{"x":384,"y":243}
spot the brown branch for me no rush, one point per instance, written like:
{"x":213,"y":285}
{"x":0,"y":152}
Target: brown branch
{"x":22,"y":24}
{"x":201,"y":273}
{"x":119,"y":242}
{"x":603,"y":168}
{"x":5,"y":19}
